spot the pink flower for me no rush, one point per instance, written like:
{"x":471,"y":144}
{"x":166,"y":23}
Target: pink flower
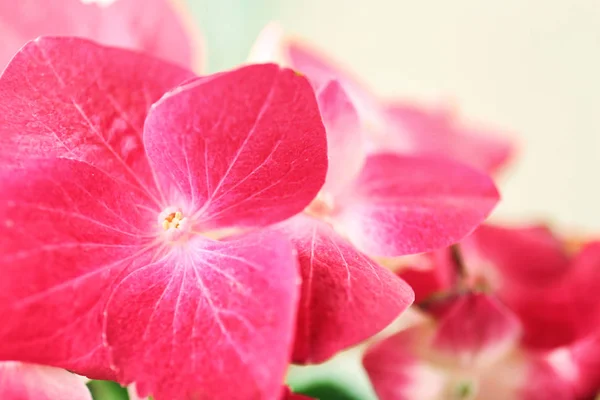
{"x":398,"y":127}
{"x":528,"y":268}
{"x":20,"y":381}
{"x":152,"y":26}
{"x":371,"y":205}
{"x":468,"y":351}
{"x":110,"y":205}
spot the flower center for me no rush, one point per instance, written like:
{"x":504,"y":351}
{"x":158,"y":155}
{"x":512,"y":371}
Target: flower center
{"x":321,"y":207}
{"x":173,"y":223}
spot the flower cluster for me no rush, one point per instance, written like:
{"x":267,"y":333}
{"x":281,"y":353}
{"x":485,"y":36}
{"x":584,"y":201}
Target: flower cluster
{"x":192,"y":235}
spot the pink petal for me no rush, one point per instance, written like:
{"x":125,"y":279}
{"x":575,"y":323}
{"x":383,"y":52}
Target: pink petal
{"x":514,"y":259}
{"x":398,"y":369}
{"x":208,"y":320}
{"x":402,"y":205}
{"x":33,"y":382}
{"x":247,"y":147}
{"x":415,"y":130}
{"x":66,"y":231}
{"x":586,"y":358}
{"x":435,"y":274}
{"x":542,"y":382}
{"x":320,"y":70}
{"x":476,"y":328}
{"x":72,"y":98}
{"x":152,"y":26}
{"x":346,"y":297}
{"x":346,"y":148}
{"x":566,"y":311}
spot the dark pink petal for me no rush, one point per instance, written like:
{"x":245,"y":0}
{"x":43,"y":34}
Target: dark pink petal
{"x":566,"y":311}
{"x":430,"y":274}
{"x":513,"y":259}
{"x":152,"y":26}
{"x":66,"y":231}
{"x":247,"y":147}
{"x":414,"y":130}
{"x":476,"y":327}
{"x":346,"y":297}
{"x":34,"y":382}
{"x":208,"y":320}
{"x":72,"y":98}
{"x":345,"y":144}
{"x":399,"y":370}
{"x":402,"y":205}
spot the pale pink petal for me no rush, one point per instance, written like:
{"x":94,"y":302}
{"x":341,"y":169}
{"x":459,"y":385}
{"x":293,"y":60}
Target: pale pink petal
{"x":151,"y":26}
{"x":72,"y":98}
{"x":476,"y":328}
{"x":345,"y":144}
{"x":246,"y":147}
{"x":401,"y":205}
{"x":20,"y":381}
{"x":320,"y":70}
{"x":542,"y":383}
{"x":585,"y":356}
{"x":268,"y":46}
{"x":66,"y":231}
{"x":414,"y":130}
{"x":346,"y":297}
{"x":208,"y":320}
{"x":399,"y":370}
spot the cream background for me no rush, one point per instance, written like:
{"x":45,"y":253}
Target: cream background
{"x":528,"y":67}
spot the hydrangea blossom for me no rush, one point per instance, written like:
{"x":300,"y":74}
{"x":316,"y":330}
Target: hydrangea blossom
{"x":469,"y":351}
{"x":371,"y":205}
{"x":152,"y":26}
{"x":112,"y":226}
{"x":514,"y":317}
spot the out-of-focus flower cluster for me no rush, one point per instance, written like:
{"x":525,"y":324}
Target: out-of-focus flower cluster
{"x":191,"y":236}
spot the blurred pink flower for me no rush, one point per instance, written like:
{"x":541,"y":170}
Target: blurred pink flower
{"x":468,"y":351}
{"x":152,"y":26}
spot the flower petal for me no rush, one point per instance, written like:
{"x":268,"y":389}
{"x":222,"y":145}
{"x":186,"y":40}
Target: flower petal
{"x":398,"y":369}
{"x":513,"y":259}
{"x":428,"y":274}
{"x":36,"y":382}
{"x":320,"y":71}
{"x":152,"y":26}
{"x":566,"y":311}
{"x":476,"y":328}
{"x":402,"y":205}
{"x":66,"y":231}
{"x":414,"y":130}
{"x":346,"y":148}
{"x":71,"y":98}
{"x":246,"y":148}
{"x":210,"y":319}
{"x":346,"y":297}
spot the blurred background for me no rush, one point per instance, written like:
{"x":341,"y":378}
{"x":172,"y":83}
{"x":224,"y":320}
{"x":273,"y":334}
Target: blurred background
{"x":528,"y":69}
